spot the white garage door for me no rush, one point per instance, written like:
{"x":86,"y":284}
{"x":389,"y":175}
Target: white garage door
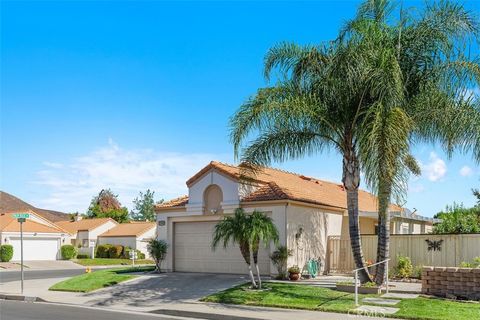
{"x":193,"y":251}
{"x":35,"y":248}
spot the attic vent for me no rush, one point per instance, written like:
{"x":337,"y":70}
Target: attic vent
{"x":305,"y":178}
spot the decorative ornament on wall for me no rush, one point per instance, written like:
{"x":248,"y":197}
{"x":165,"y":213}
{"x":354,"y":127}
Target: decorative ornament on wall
{"x":434,"y":245}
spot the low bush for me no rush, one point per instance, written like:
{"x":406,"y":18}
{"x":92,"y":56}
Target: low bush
{"x":417,"y":272}
{"x":68,"y":251}
{"x":475,"y":263}
{"x":115,"y":251}
{"x":6,"y":252}
{"x":102,"y":251}
{"x":404,"y":267}
{"x":83,"y":256}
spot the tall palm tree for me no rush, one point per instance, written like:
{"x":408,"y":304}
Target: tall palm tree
{"x":435,"y":77}
{"x":261,"y":229}
{"x":352,"y":95}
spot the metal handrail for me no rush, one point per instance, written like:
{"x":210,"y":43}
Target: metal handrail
{"x":356,"y":277}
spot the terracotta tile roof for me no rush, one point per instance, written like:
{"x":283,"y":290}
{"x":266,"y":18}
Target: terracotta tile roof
{"x":275,"y":184}
{"x":132,"y":229}
{"x":83,"y":225}
{"x":9,"y":224}
{"x":10,"y":203}
{"x":177,"y":202}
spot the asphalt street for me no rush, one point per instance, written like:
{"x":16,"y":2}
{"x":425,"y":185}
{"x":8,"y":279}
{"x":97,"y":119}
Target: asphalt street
{"x":16,"y":310}
{"x":9,"y":276}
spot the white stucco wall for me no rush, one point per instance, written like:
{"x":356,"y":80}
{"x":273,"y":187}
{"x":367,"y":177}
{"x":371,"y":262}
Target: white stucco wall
{"x":317,"y":225}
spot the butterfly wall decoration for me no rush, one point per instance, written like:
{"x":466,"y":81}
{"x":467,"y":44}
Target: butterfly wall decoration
{"x":435,"y":245}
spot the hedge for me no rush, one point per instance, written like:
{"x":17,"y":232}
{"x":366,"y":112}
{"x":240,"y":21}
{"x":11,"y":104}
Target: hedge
{"x":102,"y":250}
{"x":115,"y":252}
{"x":83,"y":256}
{"x":68,"y":251}
{"x":6,"y":252}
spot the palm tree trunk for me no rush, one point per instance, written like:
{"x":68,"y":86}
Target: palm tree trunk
{"x":351,"y":181}
{"x":245,"y":251}
{"x":383,"y":247}
{"x":255,"y":261}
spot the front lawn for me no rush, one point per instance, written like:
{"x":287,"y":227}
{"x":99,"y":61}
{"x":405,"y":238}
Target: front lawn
{"x":295,"y":296}
{"x":98,"y":279}
{"x":110,"y":262}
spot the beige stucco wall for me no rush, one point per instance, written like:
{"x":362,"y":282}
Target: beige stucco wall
{"x":367,"y":225}
{"x":317,"y":225}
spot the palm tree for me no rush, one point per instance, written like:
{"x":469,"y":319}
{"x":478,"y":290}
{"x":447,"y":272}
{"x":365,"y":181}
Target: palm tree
{"x":158,"y":251}
{"x":356,"y":96}
{"x":261,"y":229}
{"x":234,"y":230}
{"x":435,"y":104}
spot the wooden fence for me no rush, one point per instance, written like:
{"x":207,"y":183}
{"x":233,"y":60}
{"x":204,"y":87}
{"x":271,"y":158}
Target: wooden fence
{"x":423,"y":249}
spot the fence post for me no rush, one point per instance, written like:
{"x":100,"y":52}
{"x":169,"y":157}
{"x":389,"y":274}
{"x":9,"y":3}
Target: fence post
{"x":356,"y":287}
{"x":387,"y":275}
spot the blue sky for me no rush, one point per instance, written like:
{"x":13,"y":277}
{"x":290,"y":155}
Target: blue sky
{"x":136,"y":95}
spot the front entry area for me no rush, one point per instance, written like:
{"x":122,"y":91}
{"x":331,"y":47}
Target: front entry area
{"x":35,"y":248}
{"x":192,"y":251}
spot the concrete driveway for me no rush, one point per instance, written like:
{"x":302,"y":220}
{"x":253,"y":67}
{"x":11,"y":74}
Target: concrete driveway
{"x":151,"y":291}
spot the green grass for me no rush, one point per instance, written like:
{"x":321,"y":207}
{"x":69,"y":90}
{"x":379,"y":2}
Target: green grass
{"x":110,"y":262}
{"x":324,"y":299}
{"x":98,"y":279}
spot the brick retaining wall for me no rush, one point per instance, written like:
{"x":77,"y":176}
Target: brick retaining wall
{"x":462,"y":283}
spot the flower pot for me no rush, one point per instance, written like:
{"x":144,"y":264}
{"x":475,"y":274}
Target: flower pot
{"x":294,"y":276}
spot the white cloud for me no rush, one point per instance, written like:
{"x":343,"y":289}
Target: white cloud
{"x":466,"y":171}
{"x":435,"y":169}
{"x":70,"y":186}
{"x":416,"y":188}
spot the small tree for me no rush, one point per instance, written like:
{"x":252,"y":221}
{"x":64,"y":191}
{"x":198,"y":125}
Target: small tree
{"x":106,"y":205}
{"x":158,"y":251}
{"x":458,"y":219}
{"x":6,"y":252}
{"x":261,"y":229}
{"x":279,"y":259}
{"x":144,"y":206}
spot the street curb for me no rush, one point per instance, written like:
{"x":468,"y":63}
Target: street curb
{"x":200,"y":315}
{"x":20,"y":298}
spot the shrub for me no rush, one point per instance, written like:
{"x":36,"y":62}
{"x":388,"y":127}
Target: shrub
{"x":68,"y":251}
{"x":6,"y":252}
{"x":279,"y":258}
{"x":83,"y":256}
{"x":140,"y":255}
{"x":115,"y":252}
{"x":474,"y":264}
{"x":126,"y":252}
{"x":404,"y":268}
{"x":102,"y":251}
{"x":294,"y":269}
{"x":417,"y":272}
{"x":158,"y":251}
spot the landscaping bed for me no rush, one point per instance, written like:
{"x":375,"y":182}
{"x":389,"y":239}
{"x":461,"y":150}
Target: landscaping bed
{"x":323,"y":299}
{"x":110,"y":262}
{"x":98,"y":279}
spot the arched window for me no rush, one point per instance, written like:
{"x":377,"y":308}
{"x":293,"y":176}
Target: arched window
{"x":213,"y":197}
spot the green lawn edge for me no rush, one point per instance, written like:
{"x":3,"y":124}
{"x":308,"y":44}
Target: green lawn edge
{"x":89,"y":282}
{"x":110,"y":262}
{"x":304,"y":297}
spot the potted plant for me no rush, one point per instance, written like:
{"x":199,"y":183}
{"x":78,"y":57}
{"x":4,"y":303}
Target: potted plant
{"x":365,"y":288}
{"x":294,"y":273}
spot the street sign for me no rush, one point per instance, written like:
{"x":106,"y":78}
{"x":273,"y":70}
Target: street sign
{"x":21,"y":215}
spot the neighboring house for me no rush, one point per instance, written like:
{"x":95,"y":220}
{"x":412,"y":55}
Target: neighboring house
{"x":305,"y":210}
{"x":42,"y":239}
{"x":134,"y":234}
{"x":10,"y":203}
{"x":86,"y":231}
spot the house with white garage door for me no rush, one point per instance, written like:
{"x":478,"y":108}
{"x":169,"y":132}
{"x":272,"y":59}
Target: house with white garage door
{"x":134,"y":234}
{"x":42,"y":239}
{"x":305,"y":210}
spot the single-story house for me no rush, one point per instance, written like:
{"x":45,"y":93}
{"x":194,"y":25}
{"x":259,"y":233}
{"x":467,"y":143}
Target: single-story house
{"x":134,"y":234}
{"x":85,"y":232}
{"x":305,"y":210}
{"x":42,"y":239}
